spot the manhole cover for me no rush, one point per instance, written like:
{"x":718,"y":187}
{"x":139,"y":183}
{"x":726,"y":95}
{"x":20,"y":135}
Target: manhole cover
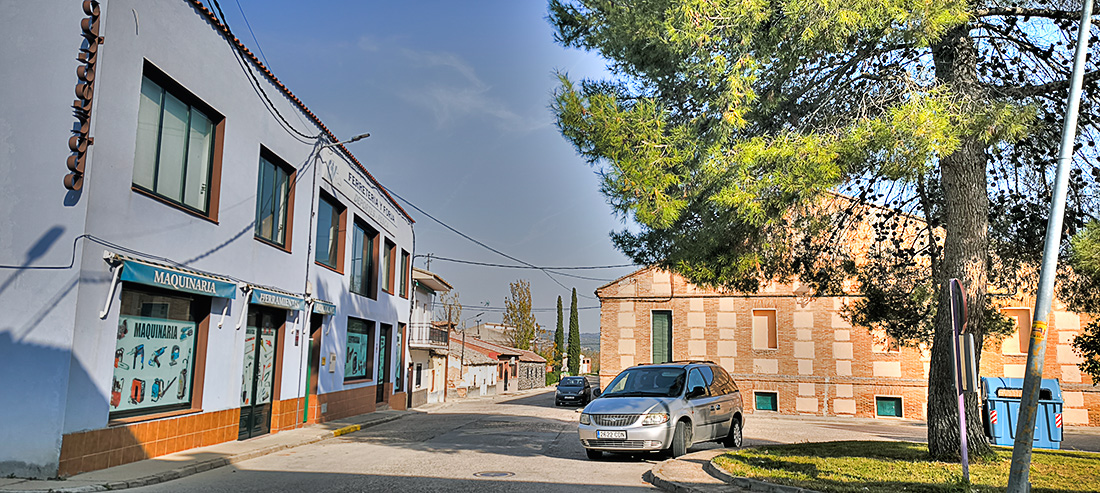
{"x":494,"y":474}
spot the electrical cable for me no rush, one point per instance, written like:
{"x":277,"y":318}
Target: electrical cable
{"x":254,"y":40}
{"x":479,"y":243}
{"x":256,"y":83}
{"x":503,"y":266}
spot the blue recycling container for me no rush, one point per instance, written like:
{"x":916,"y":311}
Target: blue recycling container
{"x":1002,"y":409}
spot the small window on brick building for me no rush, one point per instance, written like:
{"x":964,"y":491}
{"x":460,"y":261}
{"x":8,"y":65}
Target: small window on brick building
{"x":1018,"y":342}
{"x":764,"y":330}
{"x":662,"y":336}
{"x":889,"y":407}
{"x":767,"y":401}
{"x":883,"y":343}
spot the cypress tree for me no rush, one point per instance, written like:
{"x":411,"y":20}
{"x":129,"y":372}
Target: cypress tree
{"x":574,"y":337}
{"x":559,"y":339}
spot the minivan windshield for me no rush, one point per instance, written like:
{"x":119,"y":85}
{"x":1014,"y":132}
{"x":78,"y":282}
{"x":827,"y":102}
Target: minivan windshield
{"x":572,"y":382}
{"x":647,"y":382}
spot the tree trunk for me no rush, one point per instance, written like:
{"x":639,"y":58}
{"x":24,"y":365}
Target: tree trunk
{"x":966,"y":247}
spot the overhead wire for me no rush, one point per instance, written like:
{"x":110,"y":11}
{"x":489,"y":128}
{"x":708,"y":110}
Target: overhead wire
{"x":243,"y":62}
{"x":482,"y":244}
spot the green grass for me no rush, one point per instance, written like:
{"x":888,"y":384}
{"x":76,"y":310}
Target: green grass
{"x":868,"y":467}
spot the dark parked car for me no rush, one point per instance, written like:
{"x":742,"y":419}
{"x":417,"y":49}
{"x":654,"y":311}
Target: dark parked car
{"x":574,"y":390}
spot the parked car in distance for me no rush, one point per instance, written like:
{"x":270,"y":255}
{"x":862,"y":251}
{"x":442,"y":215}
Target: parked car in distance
{"x":574,"y":390}
{"x":665,"y":407}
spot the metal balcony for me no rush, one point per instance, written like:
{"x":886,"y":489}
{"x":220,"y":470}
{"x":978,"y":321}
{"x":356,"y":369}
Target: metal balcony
{"x":425,"y":336}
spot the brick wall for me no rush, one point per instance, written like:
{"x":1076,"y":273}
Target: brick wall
{"x":117,"y":445}
{"x":820,"y":365}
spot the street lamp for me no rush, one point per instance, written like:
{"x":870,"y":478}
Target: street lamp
{"x":353,"y":139}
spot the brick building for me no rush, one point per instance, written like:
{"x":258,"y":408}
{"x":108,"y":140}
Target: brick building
{"x":793,"y":354}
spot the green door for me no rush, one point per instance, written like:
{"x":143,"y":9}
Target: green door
{"x":662,"y":337}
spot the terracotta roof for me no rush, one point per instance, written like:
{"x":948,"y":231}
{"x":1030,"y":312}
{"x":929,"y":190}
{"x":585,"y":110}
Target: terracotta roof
{"x":290,"y":95}
{"x":471,"y":356}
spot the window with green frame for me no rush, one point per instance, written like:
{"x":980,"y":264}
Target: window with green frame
{"x":767,"y":401}
{"x":272,"y":202}
{"x":662,"y":336}
{"x":174,"y":153}
{"x":888,"y":407}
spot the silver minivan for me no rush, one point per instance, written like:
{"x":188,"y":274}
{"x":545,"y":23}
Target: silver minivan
{"x":665,"y":407}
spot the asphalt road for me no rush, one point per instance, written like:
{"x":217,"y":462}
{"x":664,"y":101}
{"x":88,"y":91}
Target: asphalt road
{"x":505,"y":444}
{"x":485,"y":445}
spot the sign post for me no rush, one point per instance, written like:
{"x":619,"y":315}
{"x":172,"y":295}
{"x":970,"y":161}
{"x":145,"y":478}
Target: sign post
{"x":958,"y":323}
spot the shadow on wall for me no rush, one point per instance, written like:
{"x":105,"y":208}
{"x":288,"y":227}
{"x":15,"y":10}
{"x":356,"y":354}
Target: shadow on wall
{"x":35,"y":384}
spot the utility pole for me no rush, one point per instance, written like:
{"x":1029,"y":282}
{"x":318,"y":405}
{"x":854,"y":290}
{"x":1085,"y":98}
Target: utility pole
{"x":1029,"y":401}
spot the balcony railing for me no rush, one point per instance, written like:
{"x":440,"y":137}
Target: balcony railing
{"x":424,"y":335}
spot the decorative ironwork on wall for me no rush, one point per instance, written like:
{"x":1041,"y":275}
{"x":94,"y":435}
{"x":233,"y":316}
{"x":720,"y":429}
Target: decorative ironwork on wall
{"x":82,"y":106}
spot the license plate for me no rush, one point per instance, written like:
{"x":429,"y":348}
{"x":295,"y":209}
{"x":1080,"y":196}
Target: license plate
{"x":616,"y":434}
{"x":568,"y":397}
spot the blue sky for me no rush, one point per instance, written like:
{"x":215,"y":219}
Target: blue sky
{"x":455,"y":96}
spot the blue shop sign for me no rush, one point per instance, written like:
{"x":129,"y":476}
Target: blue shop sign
{"x":323,"y":307}
{"x":178,"y":280}
{"x":262,"y":296}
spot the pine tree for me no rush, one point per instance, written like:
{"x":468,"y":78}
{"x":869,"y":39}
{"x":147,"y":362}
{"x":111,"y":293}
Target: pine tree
{"x":559,"y":339}
{"x":574,"y":337}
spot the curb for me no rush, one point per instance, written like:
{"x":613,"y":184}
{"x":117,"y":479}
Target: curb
{"x":211,"y":463}
{"x":750,"y":483}
{"x":656,"y":477}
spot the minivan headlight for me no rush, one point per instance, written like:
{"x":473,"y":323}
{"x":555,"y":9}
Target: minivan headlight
{"x":586,"y":419}
{"x":655,"y":419}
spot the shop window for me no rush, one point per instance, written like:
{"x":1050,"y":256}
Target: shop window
{"x":175,"y":158}
{"x":662,"y":336}
{"x":388,"y":266}
{"x":1018,"y":342}
{"x":767,"y":401}
{"x":331,"y":221}
{"x":404,"y":274}
{"x":764,"y":331}
{"x":155,"y":351}
{"x":274,"y":200}
{"x":363,"y":264}
{"x":359,"y":361}
{"x":888,"y":407}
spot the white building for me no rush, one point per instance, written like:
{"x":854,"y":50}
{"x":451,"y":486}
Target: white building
{"x":428,"y":342}
{"x":183,"y":259}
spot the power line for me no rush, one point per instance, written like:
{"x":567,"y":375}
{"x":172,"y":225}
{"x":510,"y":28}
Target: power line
{"x":249,"y":26}
{"x":481,"y":244}
{"x":504,"y":266}
{"x":243,"y":62}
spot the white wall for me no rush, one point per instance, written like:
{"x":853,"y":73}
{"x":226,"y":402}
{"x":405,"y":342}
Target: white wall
{"x":56,"y":354}
{"x":39,"y":222}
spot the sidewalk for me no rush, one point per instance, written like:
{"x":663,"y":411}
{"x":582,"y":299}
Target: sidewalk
{"x":188,"y":462}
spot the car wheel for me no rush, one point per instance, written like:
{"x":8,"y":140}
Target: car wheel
{"x":733,"y":440}
{"x":680,"y":440}
{"x":593,"y":454}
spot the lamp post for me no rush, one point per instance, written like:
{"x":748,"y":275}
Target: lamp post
{"x":309,"y":260}
{"x":462,"y":356}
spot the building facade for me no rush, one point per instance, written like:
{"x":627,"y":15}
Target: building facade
{"x":428,"y":341}
{"x":187,"y":256}
{"x":793,"y":354}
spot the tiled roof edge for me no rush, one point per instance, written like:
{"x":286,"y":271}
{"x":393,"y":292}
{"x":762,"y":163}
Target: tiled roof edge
{"x":290,"y":95}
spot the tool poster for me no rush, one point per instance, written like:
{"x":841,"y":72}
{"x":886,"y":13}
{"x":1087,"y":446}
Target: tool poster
{"x":153,"y":363}
{"x":262,"y":375}
{"x":355,"y":366}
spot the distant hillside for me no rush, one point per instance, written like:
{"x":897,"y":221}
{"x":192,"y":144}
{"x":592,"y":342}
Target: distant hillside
{"x":590,"y":341}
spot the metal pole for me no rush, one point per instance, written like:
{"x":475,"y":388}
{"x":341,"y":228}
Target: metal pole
{"x":958,"y":323}
{"x":1025,"y":429}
